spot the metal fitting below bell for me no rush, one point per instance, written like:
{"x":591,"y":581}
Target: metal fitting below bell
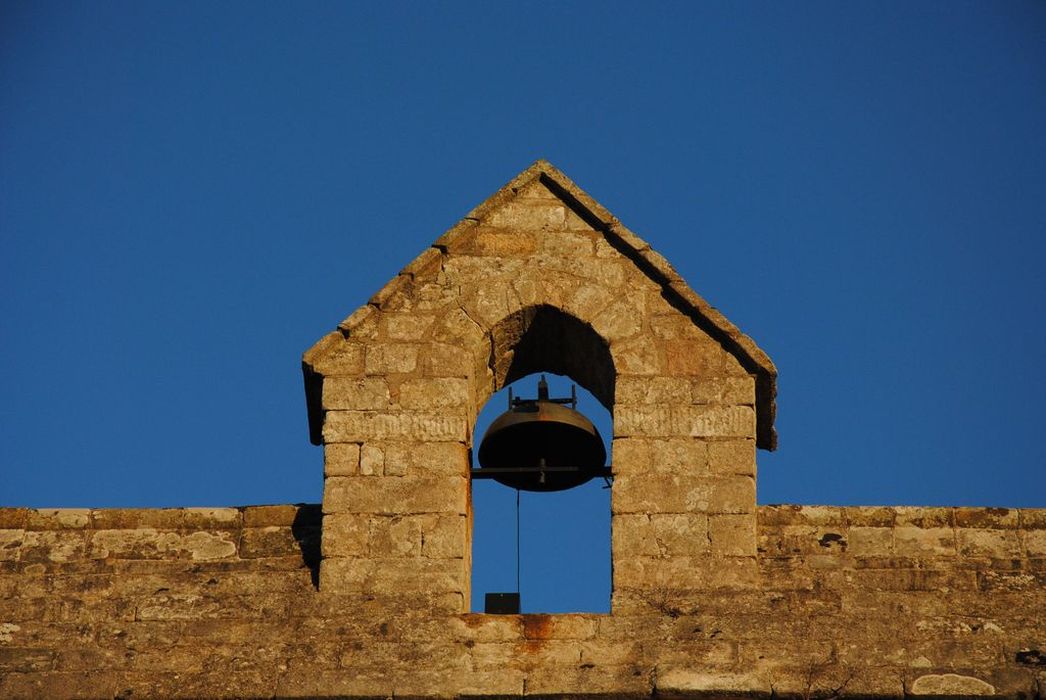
{"x":541,"y":445}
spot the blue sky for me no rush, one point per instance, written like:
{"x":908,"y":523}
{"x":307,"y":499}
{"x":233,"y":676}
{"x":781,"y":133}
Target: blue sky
{"x":192,"y":193}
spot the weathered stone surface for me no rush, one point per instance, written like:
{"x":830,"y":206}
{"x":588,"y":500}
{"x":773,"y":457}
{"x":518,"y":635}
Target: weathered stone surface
{"x":951,"y":685}
{"x":148,"y":543}
{"x":350,"y":393}
{"x":926,"y":542}
{"x":57,"y":518}
{"x":392,"y":495}
{"x":396,"y":575}
{"x":694,"y":421}
{"x":431,"y":394}
{"x":732,"y":535}
{"x":363,"y":426}
{"x":677,"y":606}
{"x":341,"y":459}
{"x":391,"y":358}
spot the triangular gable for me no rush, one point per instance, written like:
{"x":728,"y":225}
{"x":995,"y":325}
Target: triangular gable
{"x":651,"y":263}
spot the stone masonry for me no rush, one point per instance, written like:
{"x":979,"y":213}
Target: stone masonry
{"x":366,"y":595}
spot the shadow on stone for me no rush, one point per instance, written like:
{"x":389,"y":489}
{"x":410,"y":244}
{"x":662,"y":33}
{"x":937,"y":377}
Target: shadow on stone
{"x":306,"y":531}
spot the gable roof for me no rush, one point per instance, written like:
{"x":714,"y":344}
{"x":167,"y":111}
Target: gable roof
{"x":654,"y":265}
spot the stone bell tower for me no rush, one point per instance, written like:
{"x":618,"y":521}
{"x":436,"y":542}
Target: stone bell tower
{"x":539,"y":277}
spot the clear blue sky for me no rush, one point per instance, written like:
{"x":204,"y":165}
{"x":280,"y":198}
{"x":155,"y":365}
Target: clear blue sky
{"x":192,"y":193}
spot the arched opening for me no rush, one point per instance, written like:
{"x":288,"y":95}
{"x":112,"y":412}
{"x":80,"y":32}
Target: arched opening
{"x":559,"y":557}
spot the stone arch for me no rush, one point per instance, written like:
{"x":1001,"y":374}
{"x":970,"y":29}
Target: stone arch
{"x":539,"y":338}
{"x":545,"y":338}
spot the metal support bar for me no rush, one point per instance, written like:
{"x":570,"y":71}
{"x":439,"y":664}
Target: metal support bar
{"x":490,"y":472}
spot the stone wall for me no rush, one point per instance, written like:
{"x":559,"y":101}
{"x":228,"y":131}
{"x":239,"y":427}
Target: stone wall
{"x":878,"y":602}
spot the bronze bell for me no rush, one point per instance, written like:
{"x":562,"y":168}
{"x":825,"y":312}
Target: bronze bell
{"x":542,"y":445}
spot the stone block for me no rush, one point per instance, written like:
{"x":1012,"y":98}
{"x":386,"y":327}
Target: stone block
{"x":392,"y":576}
{"x":444,"y":536}
{"x":733,"y":494}
{"x":869,"y":516}
{"x":267,"y":516}
{"x":643,"y":390}
{"x":411,"y":327}
{"x":732,"y":535}
{"x":494,"y":242}
{"x":676,"y":326}
{"x":131,"y":518}
{"x":999,"y":544}
{"x":268,"y":541}
{"x":10,"y":543}
{"x":950,"y":685}
{"x":340,"y":358}
{"x":1034,"y":543}
{"x":210,"y":518}
{"x":572,"y":244}
{"x":828,"y":516}
{"x":395,"y":495}
{"x":1033,"y":518}
{"x":366,"y":426}
{"x":676,"y":535}
{"x":561,"y":626}
{"x":426,"y":458}
{"x":912,"y":541}
{"x":442,"y":360}
{"x":642,"y":455}
{"x":58,"y":519}
{"x":631,"y":535}
{"x":341,"y":459}
{"x":638,"y":356}
{"x":457,"y":329}
{"x":479,"y":628}
{"x":732,"y":391}
{"x":346,"y":535}
{"x":870,"y":541}
{"x":589,"y":300}
{"x":672,"y":577}
{"x":787,"y":540}
{"x":619,"y":321}
{"x":149,"y":543}
{"x":534,"y":214}
{"x":703,"y":653}
{"x":395,"y":536}
{"x":13,"y":518}
{"x":994,"y":518}
{"x":732,"y":457}
{"x":589,"y":680}
{"x":435,"y":393}
{"x":352,"y":393}
{"x":694,"y":358}
{"x":391,"y":358}
{"x":659,"y":535}
{"x":693,"y":421}
{"x":488,"y":304}
{"x":661,"y":492}
{"x":925,"y":517}
{"x":372,"y":460}
{"x":46,"y":546}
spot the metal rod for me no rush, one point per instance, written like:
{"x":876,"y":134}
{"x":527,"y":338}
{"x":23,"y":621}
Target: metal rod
{"x":517,"y":544}
{"x":489,"y":472}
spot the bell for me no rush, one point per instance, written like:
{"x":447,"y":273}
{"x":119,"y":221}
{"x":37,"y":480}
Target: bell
{"x":541,"y":445}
